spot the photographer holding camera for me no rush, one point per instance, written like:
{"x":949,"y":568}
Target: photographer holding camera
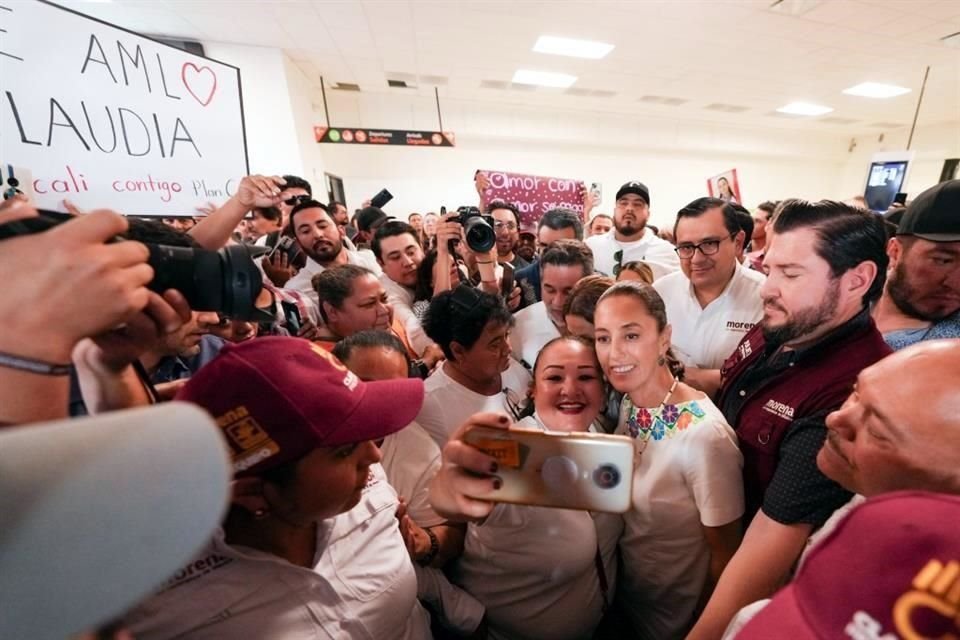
{"x":105,"y":284}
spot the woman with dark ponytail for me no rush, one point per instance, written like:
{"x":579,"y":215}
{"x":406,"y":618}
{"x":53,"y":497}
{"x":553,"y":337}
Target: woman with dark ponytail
{"x":684,"y":524}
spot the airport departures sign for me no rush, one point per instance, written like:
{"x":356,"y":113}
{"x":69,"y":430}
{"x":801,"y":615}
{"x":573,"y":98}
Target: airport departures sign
{"x":389,"y":137}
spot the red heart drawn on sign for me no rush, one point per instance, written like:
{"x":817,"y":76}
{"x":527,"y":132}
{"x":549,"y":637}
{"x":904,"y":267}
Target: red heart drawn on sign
{"x":200,"y":77}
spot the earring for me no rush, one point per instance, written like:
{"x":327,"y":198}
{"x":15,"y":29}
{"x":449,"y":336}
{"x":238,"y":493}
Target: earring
{"x":260,"y":514}
{"x":661,"y":361}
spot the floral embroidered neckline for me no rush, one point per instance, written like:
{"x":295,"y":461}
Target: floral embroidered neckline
{"x":661,"y":422}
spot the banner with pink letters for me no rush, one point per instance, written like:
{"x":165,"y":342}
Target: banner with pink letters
{"x":532,"y":195}
{"x":105,"y":117}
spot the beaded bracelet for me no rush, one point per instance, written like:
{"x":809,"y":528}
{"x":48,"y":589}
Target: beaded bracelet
{"x":434,"y":549}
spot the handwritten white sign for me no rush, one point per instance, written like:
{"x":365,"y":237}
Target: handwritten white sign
{"x":109,"y":118}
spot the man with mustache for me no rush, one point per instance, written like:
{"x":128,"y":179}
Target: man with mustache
{"x":825,"y":264}
{"x":630,"y":240}
{"x":319,"y":239}
{"x":921,"y":300}
{"x":898,"y":431}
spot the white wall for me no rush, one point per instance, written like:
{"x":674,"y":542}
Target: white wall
{"x":674,"y":159}
{"x":277,"y":110}
{"x":304,"y":120}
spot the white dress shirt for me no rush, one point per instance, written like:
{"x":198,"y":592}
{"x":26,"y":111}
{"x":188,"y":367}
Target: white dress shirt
{"x":532,"y":330}
{"x":362,"y":585}
{"x":706,"y":336}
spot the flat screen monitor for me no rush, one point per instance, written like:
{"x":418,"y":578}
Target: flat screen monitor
{"x":884,"y":182}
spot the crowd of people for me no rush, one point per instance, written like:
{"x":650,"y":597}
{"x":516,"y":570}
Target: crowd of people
{"x":786,"y":378}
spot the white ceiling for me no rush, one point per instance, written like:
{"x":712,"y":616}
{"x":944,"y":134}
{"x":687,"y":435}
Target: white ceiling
{"x":721,"y":52}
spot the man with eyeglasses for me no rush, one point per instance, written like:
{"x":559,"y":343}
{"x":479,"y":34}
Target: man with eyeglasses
{"x":506,"y":224}
{"x":630,"y":240}
{"x":713,"y":301}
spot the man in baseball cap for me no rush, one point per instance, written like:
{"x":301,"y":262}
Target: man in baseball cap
{"x":527,"y":247}
{"x":921,"y":298}
{"x":891,"y":569}
{"x":631,"y":240}
{"x":316,"y":523}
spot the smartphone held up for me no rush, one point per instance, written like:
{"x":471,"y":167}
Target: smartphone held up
{"x":585,"y":471}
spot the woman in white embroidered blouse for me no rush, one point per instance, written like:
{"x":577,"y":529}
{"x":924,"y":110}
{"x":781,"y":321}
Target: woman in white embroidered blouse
{"x":687,"y":490}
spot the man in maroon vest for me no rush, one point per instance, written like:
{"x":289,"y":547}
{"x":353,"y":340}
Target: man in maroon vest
{"x":826,"y":263}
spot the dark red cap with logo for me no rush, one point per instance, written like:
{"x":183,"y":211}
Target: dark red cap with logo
{"x":891,"y":569}
{"x":278,"y":399}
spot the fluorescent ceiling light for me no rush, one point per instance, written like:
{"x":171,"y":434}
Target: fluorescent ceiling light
{"x":572,"y":48}
{"x":544,"y":78}
{"x":876,"y":90}
{"x":804,"y":109}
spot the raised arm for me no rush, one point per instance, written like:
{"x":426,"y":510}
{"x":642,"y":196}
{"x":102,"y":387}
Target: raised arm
{"x":213,"y":232}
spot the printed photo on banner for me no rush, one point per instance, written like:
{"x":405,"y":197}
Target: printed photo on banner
{"x":725,"y":186}
{"x":111,"y":118}
{"x":532,"y":195}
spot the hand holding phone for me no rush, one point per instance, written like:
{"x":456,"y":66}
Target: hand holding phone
{"x":284,"y":243}
{"x":586,"y":471}
{"x":506,"y":280}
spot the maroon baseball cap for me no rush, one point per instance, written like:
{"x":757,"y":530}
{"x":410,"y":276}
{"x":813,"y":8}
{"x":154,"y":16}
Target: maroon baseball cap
{"x":891,"y":569}
{"x":529,"y":228}
{"x":277,"y":399}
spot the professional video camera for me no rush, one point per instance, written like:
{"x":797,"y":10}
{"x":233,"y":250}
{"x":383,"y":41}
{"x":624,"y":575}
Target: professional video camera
{"x":226,"y":281}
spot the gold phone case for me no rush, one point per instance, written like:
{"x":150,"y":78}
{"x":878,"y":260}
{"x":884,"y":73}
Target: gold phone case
{"x":588,"y":471}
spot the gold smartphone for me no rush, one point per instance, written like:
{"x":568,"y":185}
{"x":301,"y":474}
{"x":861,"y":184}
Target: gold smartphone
{"x":588,"y":471}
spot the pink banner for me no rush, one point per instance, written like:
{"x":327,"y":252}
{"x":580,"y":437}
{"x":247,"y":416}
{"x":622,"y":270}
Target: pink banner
{"x":532,"y":195}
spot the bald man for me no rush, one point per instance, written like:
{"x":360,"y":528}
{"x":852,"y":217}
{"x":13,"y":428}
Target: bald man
{"x":899,"y":430}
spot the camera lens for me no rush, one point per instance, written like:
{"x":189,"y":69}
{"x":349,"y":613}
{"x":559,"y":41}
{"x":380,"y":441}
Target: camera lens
{"x":479,"y":235}
{"x":606,"y":476}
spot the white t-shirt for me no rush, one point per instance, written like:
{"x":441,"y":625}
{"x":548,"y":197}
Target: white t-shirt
{"x":448,"y":403}
{"x":362,"y":586}
{"x":688,"y":476}
{"x":533,"y":569}
{"x":609,"y":525}
{"x":533,"y":329}
{"x":705,"y":337}
{"x":411,"y":460}
{"x":655,"y":251}
{"x":401,"y":299}
{"x":302,"y":282}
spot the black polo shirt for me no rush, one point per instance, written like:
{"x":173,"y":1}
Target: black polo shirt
{"x":778,"y":400}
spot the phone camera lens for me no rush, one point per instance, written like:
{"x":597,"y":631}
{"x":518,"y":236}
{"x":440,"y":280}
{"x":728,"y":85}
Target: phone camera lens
{"x":606,"y":476}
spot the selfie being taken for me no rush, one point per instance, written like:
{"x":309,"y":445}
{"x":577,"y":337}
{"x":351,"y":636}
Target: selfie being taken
{"x":439,"y":320}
